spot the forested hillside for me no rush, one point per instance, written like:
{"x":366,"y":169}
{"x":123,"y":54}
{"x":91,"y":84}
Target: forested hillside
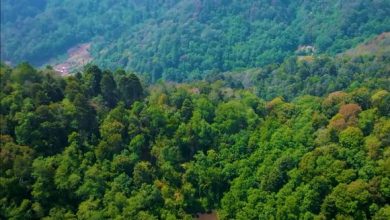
{"x":302,"y":140}
{"x":185,"y":39}
{"x":268,"y":109}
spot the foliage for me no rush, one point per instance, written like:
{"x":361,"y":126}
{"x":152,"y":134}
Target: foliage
{"x":98,"y":145}
{"x":183,"y":39}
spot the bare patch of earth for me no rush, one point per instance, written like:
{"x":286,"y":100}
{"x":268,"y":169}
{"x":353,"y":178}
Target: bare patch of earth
{"x":78,"y":56}
{"x":208,"y":216}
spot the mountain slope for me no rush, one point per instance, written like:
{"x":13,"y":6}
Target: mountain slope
{"x":180,"y":39}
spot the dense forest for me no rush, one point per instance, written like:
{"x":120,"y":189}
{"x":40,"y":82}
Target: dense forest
{"x":268,"y":109}
{"x":185,"y":39}
{"x":299,"y":140}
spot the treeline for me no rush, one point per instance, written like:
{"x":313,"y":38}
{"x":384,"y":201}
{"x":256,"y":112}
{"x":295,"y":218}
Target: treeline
{"x":101,"y":145}
{"x":310,"y":75}
{"x":183,"y":39}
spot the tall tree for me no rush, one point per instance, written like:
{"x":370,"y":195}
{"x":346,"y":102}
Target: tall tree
{"x":130,"y":88}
